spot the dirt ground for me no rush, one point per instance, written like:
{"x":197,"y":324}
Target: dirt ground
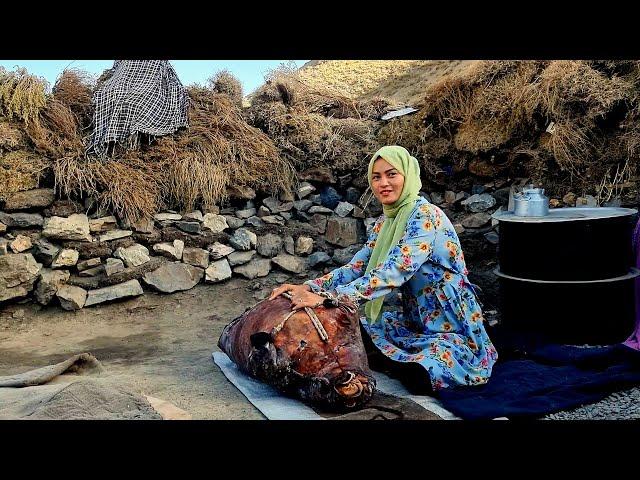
{"x":158,"y":345}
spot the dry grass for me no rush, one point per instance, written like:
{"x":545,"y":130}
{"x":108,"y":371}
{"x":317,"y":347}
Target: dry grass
{"x":22,"y":96}
{"x":228,"y":84}
{"x":74,"y":88}
{"x":20,"y":170}
{"x":11,"y":136}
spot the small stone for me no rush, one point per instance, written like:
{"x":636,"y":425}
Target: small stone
{"x":272,"y":205}
{"x":48,"y":284}
{"x":86,"y":264}
{"x":289,"y":245}
{"x":449,"y":197}
{"x":113,"y":266}
{"x":437,"y":198}
{"x":290,"y":263}
{"x":255,"y":222}
{"x":215,"y":223}
{"x":173,"y":277}
{"x":492,"y":237}
{"x":4,"y":246}
{"x":115,"y":235}
{"x":71,"y":297}
{"x":92,"y":272}
{"x":318,"y":258}
{"x":189,"y":227}
{"x":244,"y":214}
{"x":353,"y":195}
{"x":258,"y":267}
{"x":240,"y":258}
{"x":103,"y":224}
{"x":120,"y":291}
{"x":20,"y":244}
{"x":477,"y":189}
{"x":163,"y":217}
{"x":476,"y":220}
{"x":304,"y":245}
{"x":18,"y":314}
{"x":3,"y":227}
{"x":342,"y":256}
{"x":18,"y":273}
{"x":66,"y":258}
{"x":133,"y":256}
{"x":219,"y":250}
{"x":461,"y":196}
{"x":317,"y":209}
{"x":554,"y":203}
{"x":285,"y":207}
{"x":74,"y":227}
{"x":458,"y":228}
{"x":342,"y":231}
{"x":302,"y":205}
{"x":197,"y":257}
{"x":45,"y":251}
{"x":273,"y":219}
{"x":330,"y":197}
{"x":36,"y":198}
{"x":586,"y":201}
{"x":479,"y":202}
{"x":170,"y":250}
{"x":319,"y":222}
{"x":269,"y":245}
{"x":343,"y":209}
{"x":195,"y":216}
{"x":285,"y":215}
{"x":234,"y":222}
{"x":218,"y":271}
{"x":316,"y":199}
{"x":569,"y":199}
{"x":305,"y":189}
{"x":63,"y":208}
{"x":143,"y":226}
{"x":358,"y":212}
{"x":243,"y":239}
{"x":263,"y":211}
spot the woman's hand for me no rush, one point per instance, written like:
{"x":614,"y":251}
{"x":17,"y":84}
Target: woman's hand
{"x":301,"y":295}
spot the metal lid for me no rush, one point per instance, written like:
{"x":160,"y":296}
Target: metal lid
{"x":633,"y":273}
{"x":571,"y":214}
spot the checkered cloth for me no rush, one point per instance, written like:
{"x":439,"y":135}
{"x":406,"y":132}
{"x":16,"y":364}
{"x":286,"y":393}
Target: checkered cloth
{"x":140,"y":96}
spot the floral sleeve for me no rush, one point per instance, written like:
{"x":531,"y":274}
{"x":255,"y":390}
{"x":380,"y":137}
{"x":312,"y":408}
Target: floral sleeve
{"x":352,"y":270}
{"x":405,"y":258}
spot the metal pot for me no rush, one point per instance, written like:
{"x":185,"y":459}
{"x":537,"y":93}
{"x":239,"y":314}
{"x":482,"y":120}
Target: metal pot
{"x":531,"y":202}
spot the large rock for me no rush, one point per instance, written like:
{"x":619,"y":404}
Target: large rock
{"x":63,"y":208}
{"x":319,"y":223}
{"x":173,"y":250}
{"x":113,"y":266}
{"x":22,"y":220}
{"x":259,"y":267}
{"x":66,"y":258}
{"x":305,"y":189}
{"x":240,"y":258}
{"x":18,"y":273}
{"x":330,"y":197}
{"x":45,"y":251}
{"x":246,"y":213}
{"x":269,"y":245}
{"x":304,"y":245}
{"x":479,"y":202}
{"x":197,"y":257}
{"x":20,"y":244}
{"x":318,"y":258}
{"x":274,"y":219}
{"x":272,"y":204}
{"x":302,"y":205}
{"x":317,"y":209}
{"x":218,"y":271}
{"x":352,"y":195}
{"x":74,"y":227}
{"x":174,"y":277}
{"x":342,"y":231}
{"x":87,"y":264}
{"x":163,"y":217}
{"x":189,"y":227}
{"x":290,"y":263}
{"x":48,"y":284}
{"x":255,"y":222}
{"x":289,"y":245}
{"x":132,"y":288}
{"x":103,"y":224}
{"x":263,"y":211}
{"x":92,"y":272}
{"x":103,"y":280}
{"x":115,"y":235}
{"x":243,"y":239}
{"x":215,"y":223}
{"x":71,"y":297}
{"x":133,"y":256}
{"x":476,"y":220}
{"x":342,"y":256}
{"x":234,"y":222}
{"x":202,"y":240}
{"x":3,"y":227}
{"x":195,"y":216}
{"x":90,"y":250}
{"x":144,"y":225}
{"x":219,"y":250}
{"x":38,"y":198}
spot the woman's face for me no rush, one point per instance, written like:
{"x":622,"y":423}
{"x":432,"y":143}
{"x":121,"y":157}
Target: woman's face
{"x":386,"y":182}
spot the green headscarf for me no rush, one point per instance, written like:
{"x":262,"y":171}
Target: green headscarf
{"x":396,"y":214}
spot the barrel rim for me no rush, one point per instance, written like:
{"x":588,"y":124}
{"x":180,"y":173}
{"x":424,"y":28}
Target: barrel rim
{"x":633,"y":273}
{"x":569,"y":214}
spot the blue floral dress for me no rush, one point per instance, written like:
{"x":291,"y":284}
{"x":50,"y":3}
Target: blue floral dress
{"x":441,"y":326}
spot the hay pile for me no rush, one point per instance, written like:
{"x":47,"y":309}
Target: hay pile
{"x":565,"y":124}
{"x":314,"y":126}
{"x":41,"y":133}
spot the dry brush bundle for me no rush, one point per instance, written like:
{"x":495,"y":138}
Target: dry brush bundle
{"x":74,"y":88}
{"x":226,"y":83}
{"x":21,"y":170}
{"x":22,"y":96}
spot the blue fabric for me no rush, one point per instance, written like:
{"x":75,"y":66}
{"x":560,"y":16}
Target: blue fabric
{"x":543,"y":379}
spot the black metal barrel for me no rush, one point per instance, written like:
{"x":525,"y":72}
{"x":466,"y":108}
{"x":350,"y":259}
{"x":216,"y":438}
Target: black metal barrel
{"x":569,"y":275}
